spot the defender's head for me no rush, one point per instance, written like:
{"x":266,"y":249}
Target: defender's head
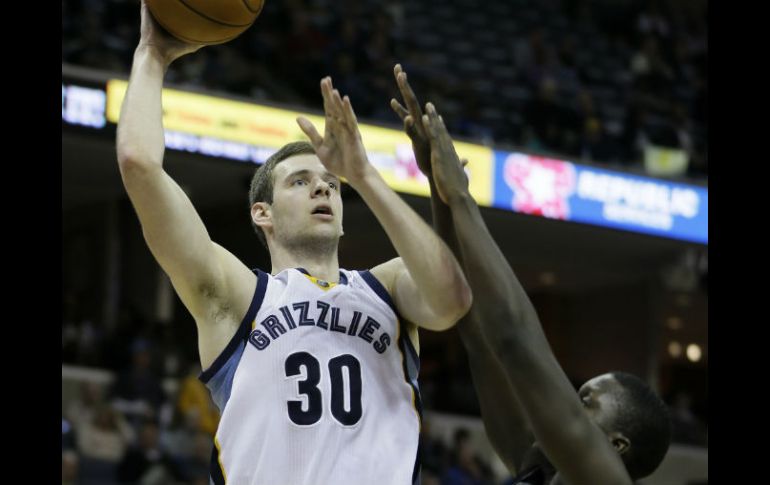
{"x":633,"y":417}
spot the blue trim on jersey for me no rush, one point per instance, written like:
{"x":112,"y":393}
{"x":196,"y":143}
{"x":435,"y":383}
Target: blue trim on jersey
{"x":375,"y":285}
{"x":411,"y":365}
{"x":243,"y":330}
{"x":215,"y":471}
{"x":221,"y":384}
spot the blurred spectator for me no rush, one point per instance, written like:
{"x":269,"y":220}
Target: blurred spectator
{"x":195,"y":404}
{"x":546,"y":116}
{"x":106,"y":436}
{"x":636,"y":133}
{"x":537,"y":59}
{"x":433,"y":453}
{"x":82,"y":336}
{"x":470,"y":122}
{"x":90,"y":342}
{"x":466,"y":468}
{"x":180,"y":435}
{"x":69,"y":467}
{"x":138,"y":392}
{"x":148,"y":462}
{"x":530,"y":50}
{"x":650,"y":69}
{"x":595,"y":146}
{"x":82,"y":408}
{"x":197,"y":466}
{"x":103,"y":441}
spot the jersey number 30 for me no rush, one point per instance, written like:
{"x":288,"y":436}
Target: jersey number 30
{"x":309,"y":387}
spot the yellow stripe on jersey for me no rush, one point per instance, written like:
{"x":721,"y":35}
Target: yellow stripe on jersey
{"x":323,"y":284}
{"x":219,"y":458}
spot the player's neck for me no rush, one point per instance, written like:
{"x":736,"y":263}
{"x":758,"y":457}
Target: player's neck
{"x":324,"y":266}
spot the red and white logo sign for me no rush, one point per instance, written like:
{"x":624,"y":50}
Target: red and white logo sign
{"x":540,"y":186}
{"x":406,"y":165}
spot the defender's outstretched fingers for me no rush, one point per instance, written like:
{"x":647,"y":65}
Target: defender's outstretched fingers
{"x":409,"y":97}
{"x":399,"y":109}
{"x":428,"y":125}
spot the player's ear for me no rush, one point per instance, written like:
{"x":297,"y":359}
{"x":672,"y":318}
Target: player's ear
{"x":619,"y":442}
{"x":262,"y":215}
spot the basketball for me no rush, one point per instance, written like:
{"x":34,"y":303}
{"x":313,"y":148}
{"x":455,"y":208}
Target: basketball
{"x":205,"y":21}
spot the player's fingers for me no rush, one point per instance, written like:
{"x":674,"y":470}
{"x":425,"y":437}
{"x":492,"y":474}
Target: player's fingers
{"x":348,"y":113}
{"x":327,"y":95}
{"x":307,"y":127}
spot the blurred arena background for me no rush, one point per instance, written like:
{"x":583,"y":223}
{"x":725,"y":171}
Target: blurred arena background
{"x":592,"y":112}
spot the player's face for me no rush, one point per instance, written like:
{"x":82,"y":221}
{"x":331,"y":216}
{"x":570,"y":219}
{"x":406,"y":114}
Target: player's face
{"x":307,"y":207}
{"x":600,"y":400}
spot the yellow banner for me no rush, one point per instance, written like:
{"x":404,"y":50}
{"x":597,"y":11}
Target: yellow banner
{"x":389,"y":150}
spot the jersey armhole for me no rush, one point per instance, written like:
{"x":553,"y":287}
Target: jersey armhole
{"x":243,"y":329}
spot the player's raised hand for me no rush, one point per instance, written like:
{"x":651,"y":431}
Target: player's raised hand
{"x":153,"y":35}
{"x":340,"y":148}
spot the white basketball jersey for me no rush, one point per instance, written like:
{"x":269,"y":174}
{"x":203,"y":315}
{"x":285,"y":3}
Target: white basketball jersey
{"x":317,"y":387}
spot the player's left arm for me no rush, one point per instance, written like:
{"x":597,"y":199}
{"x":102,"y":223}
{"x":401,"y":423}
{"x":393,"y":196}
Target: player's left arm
{"x":576,"y":446}
{"x":504,"y":420}
{"x":426,"y":282}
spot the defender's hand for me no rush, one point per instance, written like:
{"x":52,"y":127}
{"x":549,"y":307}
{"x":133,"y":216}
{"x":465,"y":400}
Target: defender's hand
{"x":448,"y":173}
{"x":412,"y":118}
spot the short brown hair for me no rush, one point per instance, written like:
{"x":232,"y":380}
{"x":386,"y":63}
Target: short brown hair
{"x":261,"y":189}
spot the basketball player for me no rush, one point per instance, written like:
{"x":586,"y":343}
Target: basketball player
{"x":313,"y":367}
{"x":613,"y":431}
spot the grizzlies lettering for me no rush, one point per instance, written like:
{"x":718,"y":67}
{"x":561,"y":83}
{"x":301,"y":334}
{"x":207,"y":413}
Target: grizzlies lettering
{"x":327,"y":318}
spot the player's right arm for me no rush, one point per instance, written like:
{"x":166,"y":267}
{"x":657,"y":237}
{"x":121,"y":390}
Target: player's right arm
{"x":214,"y":285}
{"x":425,"y":282}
